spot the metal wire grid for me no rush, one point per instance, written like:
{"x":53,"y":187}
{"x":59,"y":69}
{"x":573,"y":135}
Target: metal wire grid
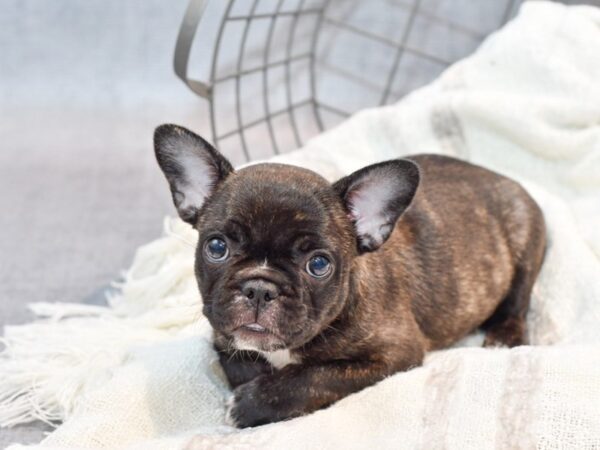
{"x":207,"y":90}
{"x":312,"y":44}
{"x":264,"y":69}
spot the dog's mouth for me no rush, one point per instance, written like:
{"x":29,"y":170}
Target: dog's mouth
{"x":257,"y":330}
{"x":254,"y":336}
{"x":255,"y":327}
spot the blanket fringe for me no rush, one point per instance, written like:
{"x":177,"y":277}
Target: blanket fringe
{"x":47,"y":366}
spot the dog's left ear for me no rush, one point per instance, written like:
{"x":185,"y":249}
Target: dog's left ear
{"x":375,"y":197}
{"x":192,"y":166}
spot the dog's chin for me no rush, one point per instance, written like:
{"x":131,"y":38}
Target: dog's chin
{"x":256,"y":338}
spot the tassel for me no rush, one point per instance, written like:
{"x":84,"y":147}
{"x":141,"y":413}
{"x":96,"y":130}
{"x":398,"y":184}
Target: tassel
{"x":47,"y":366}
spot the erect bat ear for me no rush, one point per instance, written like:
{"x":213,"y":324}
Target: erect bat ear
{"x":192,"y":166}
{"x":375,"y":197}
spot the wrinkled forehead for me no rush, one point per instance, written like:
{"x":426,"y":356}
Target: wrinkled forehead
{"x":275,"y":203}
{"x":273,"y":212}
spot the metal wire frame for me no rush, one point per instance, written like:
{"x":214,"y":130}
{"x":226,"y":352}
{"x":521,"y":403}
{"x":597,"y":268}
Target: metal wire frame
{"x":401,"y":47}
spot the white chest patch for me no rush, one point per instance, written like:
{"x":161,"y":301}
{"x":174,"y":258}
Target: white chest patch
{"x":280,"y":358}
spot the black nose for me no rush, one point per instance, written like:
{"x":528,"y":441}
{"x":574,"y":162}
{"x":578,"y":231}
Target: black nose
{"x":259,"y":290}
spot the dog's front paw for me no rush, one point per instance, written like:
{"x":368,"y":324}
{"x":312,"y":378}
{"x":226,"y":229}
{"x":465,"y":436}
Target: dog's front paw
{"x":249,"y":406}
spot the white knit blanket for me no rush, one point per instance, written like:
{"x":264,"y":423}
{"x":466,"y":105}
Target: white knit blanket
{"x":142,"y":374}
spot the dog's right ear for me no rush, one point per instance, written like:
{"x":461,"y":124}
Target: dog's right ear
{"x":193,"y":168}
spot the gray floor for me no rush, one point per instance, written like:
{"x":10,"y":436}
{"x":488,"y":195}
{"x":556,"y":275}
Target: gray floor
{"x":82,"y":86}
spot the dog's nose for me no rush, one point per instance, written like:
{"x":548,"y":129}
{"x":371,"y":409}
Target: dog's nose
{"x":258,"y":290}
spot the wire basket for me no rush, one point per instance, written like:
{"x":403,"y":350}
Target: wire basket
{"x":281,"y":71}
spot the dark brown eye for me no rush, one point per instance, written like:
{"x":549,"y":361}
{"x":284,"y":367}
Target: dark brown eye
{"x":318,"y":266}
{"x":216,"y":250}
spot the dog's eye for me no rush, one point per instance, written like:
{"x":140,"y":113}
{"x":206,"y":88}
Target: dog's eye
{"x":318,"y":266}
{"x":216,"y":249}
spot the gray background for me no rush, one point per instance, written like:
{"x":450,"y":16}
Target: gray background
{"x":82,"y":86}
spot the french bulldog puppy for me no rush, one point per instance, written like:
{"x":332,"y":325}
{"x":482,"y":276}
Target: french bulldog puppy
{"x":318,"y":290}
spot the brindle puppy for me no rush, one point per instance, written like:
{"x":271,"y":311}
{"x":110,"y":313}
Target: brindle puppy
{"x":316,"y":291}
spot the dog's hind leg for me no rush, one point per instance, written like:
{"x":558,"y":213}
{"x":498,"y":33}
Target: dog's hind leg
{"x":507,"y":326}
